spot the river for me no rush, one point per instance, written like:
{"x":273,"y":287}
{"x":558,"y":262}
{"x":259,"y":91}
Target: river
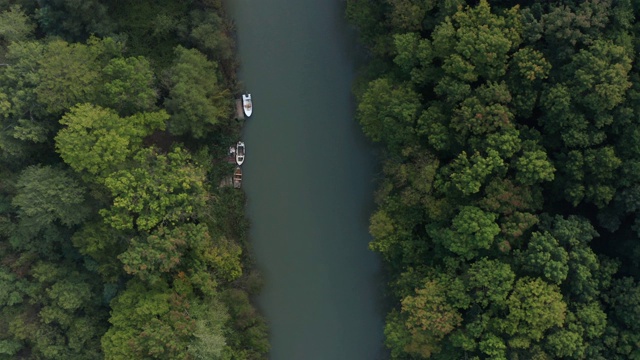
{"x":308,"y":176}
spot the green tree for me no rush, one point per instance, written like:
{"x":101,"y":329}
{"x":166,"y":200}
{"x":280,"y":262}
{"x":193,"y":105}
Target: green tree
{"x":388,"y":113}
{"x":430,"y":317}
{"x":99,"y":141}
{"x":472,"y":229}
{"x":15,"y":25}
{"x":158,"y":189}
{"x":196,"y":100}
{"x":75,"y":19}
{"x":490,"y":282}
{"x":475,"y":43}
{"x":545,"y":255}
{"x":68,"y":75}
{"x":534,"y":167}
{"x":187,"y":248}
{"x":534,"y":308}
{"x":46,"y":195}
{"x":148,"y":322}
{"x":128,"y":85}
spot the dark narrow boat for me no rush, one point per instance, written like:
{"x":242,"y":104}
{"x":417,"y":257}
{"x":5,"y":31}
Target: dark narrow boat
{"x":237,"y":178}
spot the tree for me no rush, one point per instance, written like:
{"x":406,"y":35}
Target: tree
{"x":210,"y":34}
{"x":590,"y":175}
{"x":128,"y":85}
{"x":196,"y":100}
{"x":388,"y":113}
{"x":74,"y":18}
{"x":545,"y":255}
{"x":534,"y":307}
{"x":68,"y":75}
{"x":15,"y":25}
{"x":98,"y":141}
{"x":600,"y":75}
{"x":624,"y":304}
{"x":469,"y":175}
{"x":102,"y":244}
{"x":19,"y":108}
{"x":429,"y":318}
{"x":475,"y":43}
{"x":472,"y":230}
{"x":490,"y":282}
{"x":149,"y":322}
{"x":159,"y":189}
{"x":188,"y":249}
{"x":45,"y":195}
{"x":61,"y":315}
{"x":534,"y":167}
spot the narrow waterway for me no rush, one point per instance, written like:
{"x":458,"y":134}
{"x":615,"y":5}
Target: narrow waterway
{"x":308,"y":176}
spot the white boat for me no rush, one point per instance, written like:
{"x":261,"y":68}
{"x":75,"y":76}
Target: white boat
{"x":240,"y":153}
{"x":247,"y":105}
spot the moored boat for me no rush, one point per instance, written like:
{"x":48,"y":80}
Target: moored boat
{"x":247,"y":105}
{"x":240,"y":153}
{"x":237,"y":177}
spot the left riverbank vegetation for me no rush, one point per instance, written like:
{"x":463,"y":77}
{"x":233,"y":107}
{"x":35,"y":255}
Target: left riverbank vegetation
{"x":507,"y":215}
{"x":116,"y":241}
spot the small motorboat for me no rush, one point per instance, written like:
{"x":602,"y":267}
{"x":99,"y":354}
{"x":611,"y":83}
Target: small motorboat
{"x":237,"y":178}
{"x":240,"y":153}
{"x":247,"y":105}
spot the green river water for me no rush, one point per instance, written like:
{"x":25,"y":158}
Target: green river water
{"x":308,"y":176}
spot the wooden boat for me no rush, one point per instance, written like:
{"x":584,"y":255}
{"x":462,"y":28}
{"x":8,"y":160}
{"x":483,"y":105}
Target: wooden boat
{"x":247,"y":105}
{"x":237,"y":178}
{"x":239,"y":110}
{"x":240,"y":153}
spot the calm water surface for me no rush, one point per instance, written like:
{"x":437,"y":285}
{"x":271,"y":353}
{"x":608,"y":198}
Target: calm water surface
{"x":308,"y":178}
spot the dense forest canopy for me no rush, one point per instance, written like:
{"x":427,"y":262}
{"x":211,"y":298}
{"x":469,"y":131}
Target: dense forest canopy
{"x":507,"y":215}
{"x":116,"y":241}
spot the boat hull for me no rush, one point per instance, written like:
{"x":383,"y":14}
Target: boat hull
{"x":247,"y":105}
{"x":240,"y":153}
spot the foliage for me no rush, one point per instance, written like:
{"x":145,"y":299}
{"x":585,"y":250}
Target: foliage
{"x":99,"y":141}
{"x":161,"y":189}
{"x":196,"y":101}
{"x":112,"y":241}
{"x":517,"y":240}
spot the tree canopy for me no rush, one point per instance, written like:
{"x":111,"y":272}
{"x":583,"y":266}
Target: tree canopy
{"x":506,"y":212}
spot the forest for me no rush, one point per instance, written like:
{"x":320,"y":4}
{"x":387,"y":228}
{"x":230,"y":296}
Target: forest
{"x":116,"y":241}
{"x":507,"y":208}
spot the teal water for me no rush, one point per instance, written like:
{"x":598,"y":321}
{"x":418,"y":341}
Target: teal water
{"x":308,"y":176}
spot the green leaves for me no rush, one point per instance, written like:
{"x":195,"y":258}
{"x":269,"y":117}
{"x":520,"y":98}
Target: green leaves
{"x":601,"y":75}
{"x":98,"y":141}
{"x":472,"y":230}
{"x":388,"y":112}
{"x":534,"y":167}
{"x":129,"y":85}
{"x":15,"y":25}
{"x":68,"y":75}
{"x":490,"y":282}
{"x":46,"y":194}
{"x":196,"y":101}
{"x":162,"y":189}
{"x":534,"y":308}
{"x":429,"y":318}
{"x":544,"y":254}
{"x":480,"y":45}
